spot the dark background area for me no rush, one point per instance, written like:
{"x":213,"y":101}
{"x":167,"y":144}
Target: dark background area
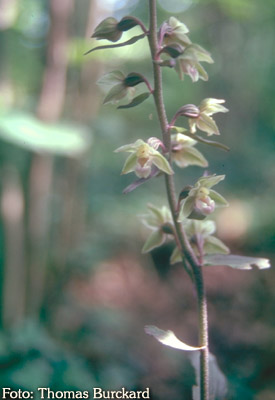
{"x":75,"y":290}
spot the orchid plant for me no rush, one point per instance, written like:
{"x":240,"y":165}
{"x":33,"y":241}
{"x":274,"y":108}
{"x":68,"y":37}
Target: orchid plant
{"x":185,"y":221}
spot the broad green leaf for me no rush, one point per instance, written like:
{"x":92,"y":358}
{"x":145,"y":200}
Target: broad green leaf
{"x":26,"y":131}
{"x":211,"y":180}
{"x":168,"y":338}
{"x":213,"y":245}
{"x":156,"y":239}
{"x":161,"y":162}
{"x":175,"y":256}
{"x":218,"y":198}
{"x":136,"y":101}
{"x":116,"y":93}
{"x":130,"y":164}
{"x":133,"y":40}
{"x":187,"y":208}
{"x":236,"y":261}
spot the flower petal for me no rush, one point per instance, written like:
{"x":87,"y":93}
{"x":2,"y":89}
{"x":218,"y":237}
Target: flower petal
{"x":207,"y":124}
{"x":186,"y":208}
{"x":161,"y":162}
{"x":175,"y":256}
{"x":218,"y":198}
{"x":213,"y":245}
{"x":130,"y":164}
{"x":156,"y":239}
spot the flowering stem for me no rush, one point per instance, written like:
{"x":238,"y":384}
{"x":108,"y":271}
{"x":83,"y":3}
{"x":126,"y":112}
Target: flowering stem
{"x":182,"y":239}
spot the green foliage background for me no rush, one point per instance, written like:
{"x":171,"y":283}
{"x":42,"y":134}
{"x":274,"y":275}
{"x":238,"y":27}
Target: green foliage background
{"x":75,"y":290}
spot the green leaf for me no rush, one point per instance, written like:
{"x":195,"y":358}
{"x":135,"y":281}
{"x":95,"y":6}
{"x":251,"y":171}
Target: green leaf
{"x":213,"y":245}
{"x":136,"y":101}
{"x":28,"y":132}
{"x":236,"y":261}
{"x":133,"y":40}
{"x":218,"y":198}
{"x":162,"y":164}
{"x":116,"y":93}
{"x":168,"y":338}
{"x":130,"y":164}
{"x":156,"y":239}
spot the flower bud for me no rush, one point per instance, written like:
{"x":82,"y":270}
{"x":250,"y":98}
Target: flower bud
{"x":108,"y":29}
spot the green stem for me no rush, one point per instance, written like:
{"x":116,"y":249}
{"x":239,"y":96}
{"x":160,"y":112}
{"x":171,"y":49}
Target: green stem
{"x":186,"y":248}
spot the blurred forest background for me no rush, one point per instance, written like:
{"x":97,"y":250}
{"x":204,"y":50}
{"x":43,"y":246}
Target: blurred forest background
{"x":75,"y":290}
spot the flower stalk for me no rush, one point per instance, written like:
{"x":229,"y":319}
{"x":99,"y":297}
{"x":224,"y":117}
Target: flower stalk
{"x":184,"y":243}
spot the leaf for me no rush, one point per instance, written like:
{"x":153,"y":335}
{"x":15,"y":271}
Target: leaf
{"x":168,"y":338}
{"x":236,"y":261}
{"x":136,"y":101}
{"x":156,"y":239}
{"x":133,"y":40}
{"x":26,"y":131}
{"x":217,"y":380}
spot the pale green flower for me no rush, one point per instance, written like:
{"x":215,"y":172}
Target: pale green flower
{"x":201,"y":199}
{"x":159,"y":220}
{"x":204,"y":120}
{"x":200,"y":234}
{"x":143,"y":157}
{"x":184,"y":153}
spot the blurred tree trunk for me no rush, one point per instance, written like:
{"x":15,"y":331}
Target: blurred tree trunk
{"x":49,"y":109}
{"x":12,"y":210}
